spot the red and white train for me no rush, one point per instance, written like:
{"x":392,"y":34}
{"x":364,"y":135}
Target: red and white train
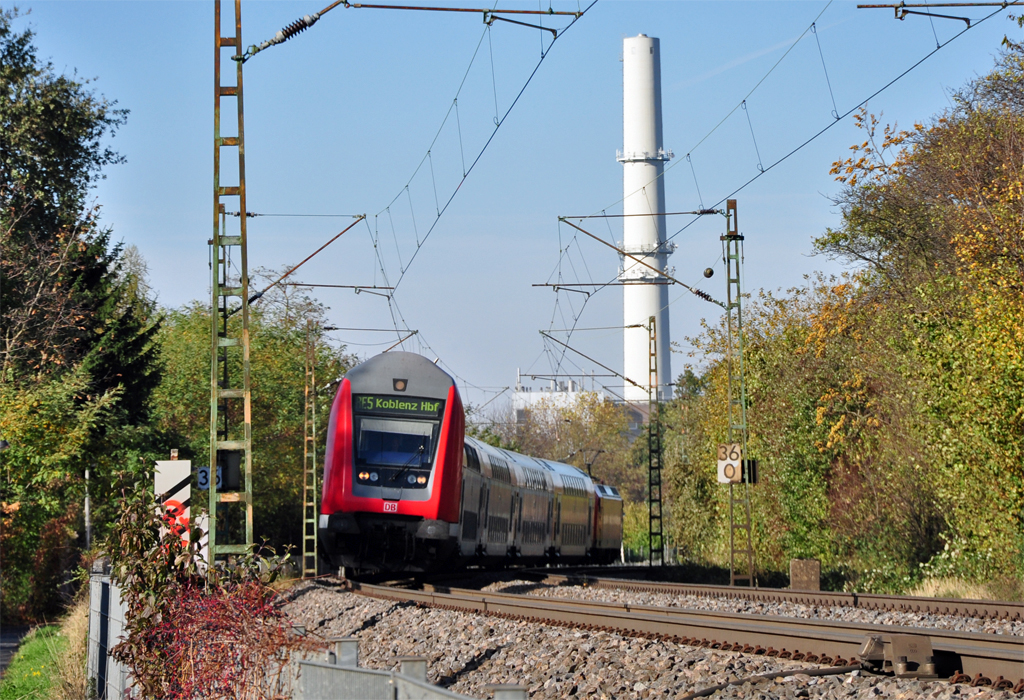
{"x":405,"y":490}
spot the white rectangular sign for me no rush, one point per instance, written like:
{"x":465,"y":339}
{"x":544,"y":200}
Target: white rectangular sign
{"x":730,"y":463}
{"x":173,"y":487}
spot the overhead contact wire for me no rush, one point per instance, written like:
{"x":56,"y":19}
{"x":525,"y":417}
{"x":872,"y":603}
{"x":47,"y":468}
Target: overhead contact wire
{"x":694,"y":173}
{"x":835,"y":110}
{"x":931,"y":20}
{"x":845,"y":114}
{"x":433,"y":181}
{"x":726,"y":117}
{"x":490,"y":139}
{"x":458,"y":124}
{"x":494,"y":81}
{"x":763,"y":78}
{"x":752,"y":137}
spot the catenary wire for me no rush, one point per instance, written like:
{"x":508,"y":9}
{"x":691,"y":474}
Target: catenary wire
{"x":497,"y":127}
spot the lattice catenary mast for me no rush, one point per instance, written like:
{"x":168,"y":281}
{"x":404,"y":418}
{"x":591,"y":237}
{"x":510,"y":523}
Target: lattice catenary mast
{"x":230,"y":428}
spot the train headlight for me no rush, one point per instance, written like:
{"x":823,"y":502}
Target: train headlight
{"x":373,"y":476}
{"x":421,"y":479}
{"x":412,"y":479}
{"x":363,"y":476}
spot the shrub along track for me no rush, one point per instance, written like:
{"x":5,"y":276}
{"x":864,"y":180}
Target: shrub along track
{"x":966,"y":656}
{"x":985,"y":609}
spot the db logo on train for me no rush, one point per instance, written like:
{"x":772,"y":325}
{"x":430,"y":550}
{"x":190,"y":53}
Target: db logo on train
{"x":390,"y":506}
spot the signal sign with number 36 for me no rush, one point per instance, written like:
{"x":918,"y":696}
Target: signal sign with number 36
{"x":730,"y":456}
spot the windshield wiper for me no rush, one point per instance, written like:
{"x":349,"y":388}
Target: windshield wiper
{"x":408,"y":465}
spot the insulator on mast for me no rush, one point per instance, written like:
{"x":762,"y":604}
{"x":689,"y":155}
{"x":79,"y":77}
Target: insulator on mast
{"x":296,"y":27}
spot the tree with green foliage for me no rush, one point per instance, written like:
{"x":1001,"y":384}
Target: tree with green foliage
{"x":589,"y":432}
{"x":278,"y":337}
{"x":77,"y":355}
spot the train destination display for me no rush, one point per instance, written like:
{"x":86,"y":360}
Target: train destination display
{"x":425,"y":408}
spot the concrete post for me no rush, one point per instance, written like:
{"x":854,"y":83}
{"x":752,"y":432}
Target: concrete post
{"x":805,"y":574}
{"x":414,"y":667}
{"x":346,"y":651}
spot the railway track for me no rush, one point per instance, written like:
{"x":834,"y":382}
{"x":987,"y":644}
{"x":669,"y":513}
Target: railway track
{"x":984,"y":659}
{"x":1006,"y":610}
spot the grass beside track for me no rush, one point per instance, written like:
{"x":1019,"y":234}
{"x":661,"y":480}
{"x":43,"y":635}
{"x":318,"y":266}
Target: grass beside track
{"x":31,"y":673}
{"x":50,"y":663}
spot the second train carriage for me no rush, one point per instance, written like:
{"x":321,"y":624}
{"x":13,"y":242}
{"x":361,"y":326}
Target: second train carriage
{"x":406,"y":490}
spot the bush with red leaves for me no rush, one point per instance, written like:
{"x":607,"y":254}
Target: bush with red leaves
{"x":190,"y":635}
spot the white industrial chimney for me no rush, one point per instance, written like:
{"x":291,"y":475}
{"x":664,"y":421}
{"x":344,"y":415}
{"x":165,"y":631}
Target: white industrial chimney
{"x":643,"y":156}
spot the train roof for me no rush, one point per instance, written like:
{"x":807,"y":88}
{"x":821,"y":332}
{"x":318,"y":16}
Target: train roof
{"x":379,"y":374}
{"x":526,"y":460}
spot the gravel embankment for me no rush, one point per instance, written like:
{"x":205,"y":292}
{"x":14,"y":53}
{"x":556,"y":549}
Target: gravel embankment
{"x":842,"y":614}
{"x":465,"y":652}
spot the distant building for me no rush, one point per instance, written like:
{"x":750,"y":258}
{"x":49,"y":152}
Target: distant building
{"x":562,"y":394}
{"x":557,"y":394}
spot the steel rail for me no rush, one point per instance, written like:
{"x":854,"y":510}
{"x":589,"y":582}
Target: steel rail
{"x":986,"y":609}
{"x":825,"y":642}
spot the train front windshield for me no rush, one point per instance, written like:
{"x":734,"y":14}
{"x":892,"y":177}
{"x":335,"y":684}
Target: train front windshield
{"x":395,"y":440}
{"x":387,"y":442}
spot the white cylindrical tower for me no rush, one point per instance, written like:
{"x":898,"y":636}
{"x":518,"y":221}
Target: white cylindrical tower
{"x":643,"y":158}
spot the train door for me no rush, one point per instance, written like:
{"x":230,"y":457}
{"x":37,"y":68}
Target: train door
{"x":557,"y":531}
{"x":590,"y":521}
{"x":549,"y":531}
{"x":471,"y":489}
{"x":472,"y":500}
{"x":513,"y":529}
{"x":484,"y":510}
{"x":519,"y":519}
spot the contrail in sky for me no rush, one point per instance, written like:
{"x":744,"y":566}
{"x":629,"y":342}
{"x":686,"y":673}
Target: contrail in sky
{"x":742,"y":59}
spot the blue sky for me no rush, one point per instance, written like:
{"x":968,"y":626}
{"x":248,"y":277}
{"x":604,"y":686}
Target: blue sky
{"x":339,"y":118}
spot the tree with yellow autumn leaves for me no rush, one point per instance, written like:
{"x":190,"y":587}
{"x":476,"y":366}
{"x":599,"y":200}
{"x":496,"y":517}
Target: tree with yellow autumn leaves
{"x":886,"y":406}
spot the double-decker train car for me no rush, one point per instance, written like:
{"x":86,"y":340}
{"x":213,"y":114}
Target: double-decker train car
{"x":405,"y":490}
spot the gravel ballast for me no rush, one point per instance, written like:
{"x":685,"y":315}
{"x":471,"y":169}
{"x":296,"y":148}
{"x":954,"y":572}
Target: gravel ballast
{"x":956,"y":623}
{"x":465,"y":652}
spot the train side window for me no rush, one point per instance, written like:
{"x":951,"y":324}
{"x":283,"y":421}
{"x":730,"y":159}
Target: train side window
{"x":470,"y":459}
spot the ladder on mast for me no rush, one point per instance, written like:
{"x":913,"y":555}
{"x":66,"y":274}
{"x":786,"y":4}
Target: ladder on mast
{"x":309,"y":476}
{"x":742,"y":551}
{"x":230,"y":428}
{"x":655,"y":535}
